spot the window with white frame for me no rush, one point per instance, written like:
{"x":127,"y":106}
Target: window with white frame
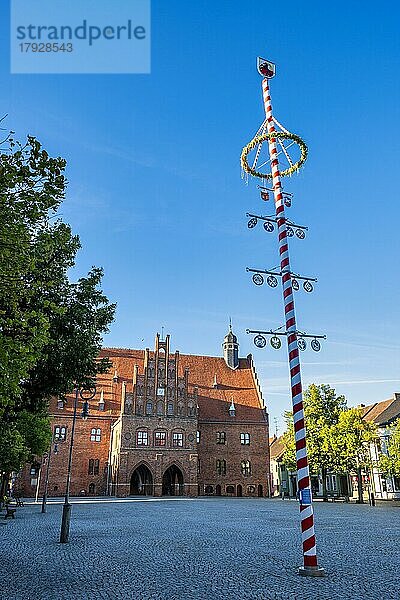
{"x":95,"y":435}
{"x":177,"y":439}
{"x":60,"y":433}
{"x":245,"y":439}
{"x":245,"y":467}
{"x":142,"y":438}
{"x":160,"y":438}
{"x":221,"y":437}
{"x":198,"y":437}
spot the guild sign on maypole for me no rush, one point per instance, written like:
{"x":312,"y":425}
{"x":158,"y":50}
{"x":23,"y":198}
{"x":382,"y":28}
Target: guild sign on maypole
{"x":286,"y":154}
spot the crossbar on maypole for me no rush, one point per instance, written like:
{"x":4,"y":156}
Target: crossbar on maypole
{"x":310,"y":562}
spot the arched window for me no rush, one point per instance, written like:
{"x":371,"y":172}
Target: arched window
{"x":142,"y":438}
{"x":60,"y":433}
{"x":245,"y":467}
{"x":221,"y":467}
{"x":160,"y":438}
{"x":149,"y":407}
{"x":177,"y":439}
{"x":94,"y":466}
{"x":245,"y":439}
{"x":180,"y":409}
{"x":221,"y":437}
{"x":170,"y":409}
{"x":191,"y":411}
{"x":139,"y":408}
{"x":95,"y":435}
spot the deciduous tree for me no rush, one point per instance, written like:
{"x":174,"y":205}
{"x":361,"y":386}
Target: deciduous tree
{"x":350,"y":441}
{"x":390,"y":461}
{"x":50,"y":328}
{"x":322,"y":409}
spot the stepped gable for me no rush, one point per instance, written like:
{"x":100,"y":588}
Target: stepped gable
{"x":213,"y":400}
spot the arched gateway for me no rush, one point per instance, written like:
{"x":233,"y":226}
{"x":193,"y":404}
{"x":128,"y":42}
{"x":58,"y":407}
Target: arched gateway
{"x":141,"y":482}
{"x":172,"y":482}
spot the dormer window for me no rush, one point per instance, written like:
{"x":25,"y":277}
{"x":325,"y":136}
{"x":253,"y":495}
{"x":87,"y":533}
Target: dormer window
{"x":232,"y":409}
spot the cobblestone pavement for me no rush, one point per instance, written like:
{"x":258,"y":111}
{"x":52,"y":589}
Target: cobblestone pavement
{"x":172,"y":549}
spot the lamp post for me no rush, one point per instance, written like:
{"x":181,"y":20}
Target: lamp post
{"x":86,"y":393}
{"x":46,"y":485}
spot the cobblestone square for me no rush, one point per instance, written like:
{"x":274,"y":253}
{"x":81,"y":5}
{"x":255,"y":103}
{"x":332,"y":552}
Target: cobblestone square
{"x":159,"y":549}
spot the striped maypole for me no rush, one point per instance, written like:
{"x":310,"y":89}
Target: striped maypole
{"x":310,"y":565}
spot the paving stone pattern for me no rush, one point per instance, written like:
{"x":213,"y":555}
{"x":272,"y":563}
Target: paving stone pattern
{"x":170,"y":549}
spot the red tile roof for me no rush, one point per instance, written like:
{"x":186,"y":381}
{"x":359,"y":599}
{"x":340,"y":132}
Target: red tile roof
{"x":277,"y":448}
{"x":383,"y":413}
{"x":238,"y":384}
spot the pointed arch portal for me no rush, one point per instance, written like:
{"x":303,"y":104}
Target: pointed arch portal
{"x":141,"y":482}
{"x":172,"y":482}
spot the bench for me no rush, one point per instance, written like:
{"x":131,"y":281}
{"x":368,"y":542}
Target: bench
{"x":18,"y":501}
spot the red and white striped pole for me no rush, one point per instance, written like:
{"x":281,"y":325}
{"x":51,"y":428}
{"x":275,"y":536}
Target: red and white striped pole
{"x":310,"y":565}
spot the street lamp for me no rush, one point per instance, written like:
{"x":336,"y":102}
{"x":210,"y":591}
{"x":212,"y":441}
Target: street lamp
{"x":86,"y":393}
{"x":46,"y":485}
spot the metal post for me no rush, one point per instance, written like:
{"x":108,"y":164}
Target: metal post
{"x":310,"y":564}
{"x":66,"y":515}
{"x":38,"y":484}
{"x":46,"y":485}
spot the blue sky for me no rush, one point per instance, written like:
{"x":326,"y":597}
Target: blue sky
{"x":157,"y":198}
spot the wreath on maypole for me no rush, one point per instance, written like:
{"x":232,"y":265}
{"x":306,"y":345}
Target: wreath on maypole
{"x":280,"y":135}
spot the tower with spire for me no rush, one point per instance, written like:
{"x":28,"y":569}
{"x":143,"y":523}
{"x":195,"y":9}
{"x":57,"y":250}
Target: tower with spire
{"x":231,"y":349}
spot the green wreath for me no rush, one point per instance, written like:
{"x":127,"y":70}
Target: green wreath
{"x":266,"y":137}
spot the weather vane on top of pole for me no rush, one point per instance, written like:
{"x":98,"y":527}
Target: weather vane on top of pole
{"x":293,"y":151}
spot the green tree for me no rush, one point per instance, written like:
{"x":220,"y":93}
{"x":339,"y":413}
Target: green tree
{"x":322,"y":409}
{"x":50,"y":328}
{"x":350,"y":441}
{"x":31,"y":189}
{"x":390,"y":462}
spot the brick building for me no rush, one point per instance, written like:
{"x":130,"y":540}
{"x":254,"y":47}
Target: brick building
{"x":164,"y":423}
